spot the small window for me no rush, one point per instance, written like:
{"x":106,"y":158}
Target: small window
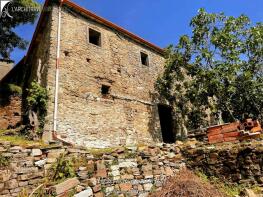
{"x":105,"y":90}
{"x":94,"y":37}
{"x":144,"y":59}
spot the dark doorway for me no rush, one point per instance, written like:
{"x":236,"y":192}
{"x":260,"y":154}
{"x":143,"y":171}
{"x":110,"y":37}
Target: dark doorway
{"x":166,"y":121}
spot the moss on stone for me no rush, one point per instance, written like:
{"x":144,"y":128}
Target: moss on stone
{"x":22,"y":141}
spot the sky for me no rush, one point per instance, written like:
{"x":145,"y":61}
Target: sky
{"x":160,"y":22}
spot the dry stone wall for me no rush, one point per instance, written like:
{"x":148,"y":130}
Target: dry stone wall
{"x":127,"y":171}
{"x":239,"y":163}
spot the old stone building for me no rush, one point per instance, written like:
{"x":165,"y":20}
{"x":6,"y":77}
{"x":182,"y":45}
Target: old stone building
{"x":100,"y":79}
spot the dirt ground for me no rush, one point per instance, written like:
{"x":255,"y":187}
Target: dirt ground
{"x":187,"y":184}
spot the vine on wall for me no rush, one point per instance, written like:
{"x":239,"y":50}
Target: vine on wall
{"x":37,"y":100}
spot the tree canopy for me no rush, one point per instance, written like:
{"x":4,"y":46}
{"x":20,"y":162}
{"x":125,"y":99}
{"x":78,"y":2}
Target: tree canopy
{"x":217,"y":70}
{"x":21,"y":12}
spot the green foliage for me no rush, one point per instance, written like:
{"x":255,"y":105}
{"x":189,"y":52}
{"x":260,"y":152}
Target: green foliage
{"x":4,"y":161}
{"x":98,"y":153}
{"x":129,"y":155}
{"x":23,"y":193}
{"x":115,"y":161}
{"x":13,"y":89}
{"x":37,"y":101}
{"x":9,"y":39}
{"x":230,"y":190}
{"x":218,"y":68}
{"x":62,"y":169}
{"x":21,"y":141}
{"x":37,"y":97}
{"x":40,"y":192}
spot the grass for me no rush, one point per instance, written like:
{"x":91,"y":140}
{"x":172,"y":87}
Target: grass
{"x":16,"y":138}
{"x":230,"y":190}
{"x":97,"y":153}
{"x":22,"y":141}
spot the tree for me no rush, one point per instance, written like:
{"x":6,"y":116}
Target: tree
{"x":19,"y":12}
{"x":223,"y":60}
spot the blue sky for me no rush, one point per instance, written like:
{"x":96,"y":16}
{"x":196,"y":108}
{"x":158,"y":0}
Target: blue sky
{"x":158,"y":21}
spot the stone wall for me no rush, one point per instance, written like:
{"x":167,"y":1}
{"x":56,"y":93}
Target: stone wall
{"x":128,"y":114}
{"x":41,"y":63}
{"x":238,"y":163}
{"x":10,"y":111}
{"x":132,"y":171}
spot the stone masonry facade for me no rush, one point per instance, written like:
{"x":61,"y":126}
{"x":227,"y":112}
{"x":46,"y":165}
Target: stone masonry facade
{"x":128,"y":113}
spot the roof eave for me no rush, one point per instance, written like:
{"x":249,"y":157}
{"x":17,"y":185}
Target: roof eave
{"x":94,"y":17}
{"x":113,"y":26}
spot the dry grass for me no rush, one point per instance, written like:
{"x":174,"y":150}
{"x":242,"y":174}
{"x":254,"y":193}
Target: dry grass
{"x":187,"y":184}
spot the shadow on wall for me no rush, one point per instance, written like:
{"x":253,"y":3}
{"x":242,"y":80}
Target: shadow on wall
{"x":154,"y":122}
{"x":161,"y":125}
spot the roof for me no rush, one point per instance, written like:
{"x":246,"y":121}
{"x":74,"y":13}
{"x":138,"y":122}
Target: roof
{"x":89,"y":14}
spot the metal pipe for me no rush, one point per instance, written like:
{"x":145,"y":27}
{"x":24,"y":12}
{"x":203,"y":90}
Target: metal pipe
{"x":57,"y":70}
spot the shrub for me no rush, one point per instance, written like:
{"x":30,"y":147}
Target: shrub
{"x":37,"y":100}
{"x":62,"y":169}
{"x":4,"y":161}
{"x":12,"y":89}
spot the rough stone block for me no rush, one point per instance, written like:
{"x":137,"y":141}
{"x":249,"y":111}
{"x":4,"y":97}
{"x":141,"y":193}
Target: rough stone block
{"x":16,"y":149}
{"x":65,"y":186}
{"x":1,"y":186}
{"x":41,"y":163}
{"x":92,"y":182}
{"x":127,"y":177}
{"x":86,"y":193}
{"x":11,"y":184}
{"x":99,"y":194}
{"x":5,"y":175}
{"x":101,"y":173}
{"x":2,"y":149}
{"x":127,"y":164}
{"x":147,"y":186}
{"x":115,"y":173}
{"x":168,"y":171}
{"x":109,"y":190}
{"x":96,"y":188}
{"x":36,"y":152}
{"x":23,"y":183}
{"x":125,"y":187}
